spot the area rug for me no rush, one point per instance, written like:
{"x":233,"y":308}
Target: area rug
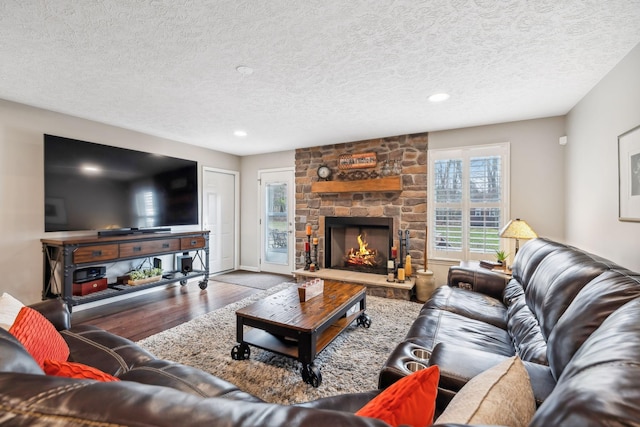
{"x":252,"y":279}
{"x":349,"y":364}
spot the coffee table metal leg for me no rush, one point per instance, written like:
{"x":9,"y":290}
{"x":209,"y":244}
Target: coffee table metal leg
{"x":311,"y":374}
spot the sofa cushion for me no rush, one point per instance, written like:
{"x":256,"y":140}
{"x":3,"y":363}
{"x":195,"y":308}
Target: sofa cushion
{"x":601,"y":384}
{"x":9,"y":309}
{"x":410,"y":401}
{"x":76,"y":370}
{"x":469,"y":304}
{"x":501,"y":395}
{"x":434,"y":326}
{"x":108,"y":352}
{"x":39,"y":336}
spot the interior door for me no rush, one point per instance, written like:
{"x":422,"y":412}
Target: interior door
{"x":276,"y":220}
{"x":220,"y":217}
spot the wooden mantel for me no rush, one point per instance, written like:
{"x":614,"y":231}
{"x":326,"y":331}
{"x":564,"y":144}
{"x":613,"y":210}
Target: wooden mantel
{"x":387,"y":184}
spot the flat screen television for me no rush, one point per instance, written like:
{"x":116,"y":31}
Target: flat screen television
{"x":89,"y":186}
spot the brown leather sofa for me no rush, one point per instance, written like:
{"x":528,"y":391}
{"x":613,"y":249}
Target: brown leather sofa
{"x":572,"y":317}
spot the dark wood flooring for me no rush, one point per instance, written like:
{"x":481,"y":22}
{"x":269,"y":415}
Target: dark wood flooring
{"x":141,"y":316}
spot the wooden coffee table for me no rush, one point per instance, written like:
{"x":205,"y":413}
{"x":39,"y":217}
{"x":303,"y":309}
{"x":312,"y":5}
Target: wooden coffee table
{"x":282,"y":324}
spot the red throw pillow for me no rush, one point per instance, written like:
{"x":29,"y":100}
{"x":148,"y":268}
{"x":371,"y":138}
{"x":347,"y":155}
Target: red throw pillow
{"x":39,"y":336}
{"x":409,"y":401}
{"x":76,"y":370}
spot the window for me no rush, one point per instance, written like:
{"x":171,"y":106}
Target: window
{"x":468,"y":200}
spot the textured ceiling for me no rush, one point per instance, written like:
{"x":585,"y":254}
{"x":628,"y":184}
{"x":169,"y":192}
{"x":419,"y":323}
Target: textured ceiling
{"x":325,"y":71}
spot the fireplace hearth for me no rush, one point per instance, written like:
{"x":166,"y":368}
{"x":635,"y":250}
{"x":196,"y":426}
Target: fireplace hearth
{"x":361,"y":244}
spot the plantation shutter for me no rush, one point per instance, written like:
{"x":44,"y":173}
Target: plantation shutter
{"x":468,"y":200}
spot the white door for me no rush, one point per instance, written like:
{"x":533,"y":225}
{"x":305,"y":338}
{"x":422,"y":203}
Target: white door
{"x":277,"y":203}
{"x":219,"y":216}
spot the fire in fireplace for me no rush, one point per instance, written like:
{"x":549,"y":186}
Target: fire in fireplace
{"x":358,"y":243}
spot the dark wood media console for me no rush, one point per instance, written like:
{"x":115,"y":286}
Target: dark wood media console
{"x":62,"y":257}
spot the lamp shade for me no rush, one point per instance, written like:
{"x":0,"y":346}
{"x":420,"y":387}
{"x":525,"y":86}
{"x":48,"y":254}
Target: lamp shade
{"x":518,"y":229}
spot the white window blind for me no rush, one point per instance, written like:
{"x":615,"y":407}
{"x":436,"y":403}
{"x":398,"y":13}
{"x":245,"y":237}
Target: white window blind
{"x":468,"y":200}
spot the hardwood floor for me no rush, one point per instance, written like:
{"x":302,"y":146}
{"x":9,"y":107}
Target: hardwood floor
{"x":142,"y":316}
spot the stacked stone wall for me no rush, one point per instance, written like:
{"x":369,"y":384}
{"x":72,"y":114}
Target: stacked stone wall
{"x":407,"y":207}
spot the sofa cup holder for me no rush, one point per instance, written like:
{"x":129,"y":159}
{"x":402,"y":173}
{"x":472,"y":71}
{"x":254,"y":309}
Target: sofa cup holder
{"x":414,"y":366}
{"x":421,"y":353}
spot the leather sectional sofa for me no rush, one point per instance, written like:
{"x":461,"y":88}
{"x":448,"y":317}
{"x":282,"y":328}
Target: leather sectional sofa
{"x":572,"y":317}
{"x":151,"y":391}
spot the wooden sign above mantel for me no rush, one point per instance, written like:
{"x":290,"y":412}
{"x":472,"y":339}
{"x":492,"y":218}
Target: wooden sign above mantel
{"x":357,"y":161}
{"x":387,"y":184}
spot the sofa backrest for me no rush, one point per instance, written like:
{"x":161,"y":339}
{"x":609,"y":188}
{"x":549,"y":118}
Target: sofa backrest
{"x":546,"y":278}
{"x":601,"y":384}
{"x":593,"y":304}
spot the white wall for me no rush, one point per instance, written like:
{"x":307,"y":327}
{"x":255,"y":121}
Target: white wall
{"x":22,"y":183}
{"x":250,"y":200}
{"x":537,"y":167}
{"x":593,"y":125}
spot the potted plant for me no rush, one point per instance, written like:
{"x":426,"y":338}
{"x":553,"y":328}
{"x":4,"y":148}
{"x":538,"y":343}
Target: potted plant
{"x":501,"y":257}
{"x":139,"y":277}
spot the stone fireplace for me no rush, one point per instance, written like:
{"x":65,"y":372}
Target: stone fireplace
{"x":360,"y":244}
{"x":365,"y":205}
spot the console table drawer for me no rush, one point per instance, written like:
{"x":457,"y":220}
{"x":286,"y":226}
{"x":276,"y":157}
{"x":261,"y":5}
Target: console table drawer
{"x":194,"y":242}
{"x":95,"y":253}
{"x":148,"y":248}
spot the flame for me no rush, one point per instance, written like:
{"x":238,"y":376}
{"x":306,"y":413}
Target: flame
{"x":363,"y":256}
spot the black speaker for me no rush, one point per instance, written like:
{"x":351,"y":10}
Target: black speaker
{"x":186,"y":264}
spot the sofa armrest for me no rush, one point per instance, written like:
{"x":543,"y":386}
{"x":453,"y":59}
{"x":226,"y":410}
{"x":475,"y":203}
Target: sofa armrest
{"x":478,"y":279}
{"x":56,"y":311}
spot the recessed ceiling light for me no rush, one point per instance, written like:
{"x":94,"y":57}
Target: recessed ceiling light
{"x":240,"y":133}
{"x":439,"y":97}
{"x":244,"y":70}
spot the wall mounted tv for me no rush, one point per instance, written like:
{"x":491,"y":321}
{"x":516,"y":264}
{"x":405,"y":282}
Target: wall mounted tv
{"x":89,"y":186}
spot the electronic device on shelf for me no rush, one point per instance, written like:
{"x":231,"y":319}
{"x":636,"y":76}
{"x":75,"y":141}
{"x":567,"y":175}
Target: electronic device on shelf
{"x":88,"y":274}
{"x":115,"y":190}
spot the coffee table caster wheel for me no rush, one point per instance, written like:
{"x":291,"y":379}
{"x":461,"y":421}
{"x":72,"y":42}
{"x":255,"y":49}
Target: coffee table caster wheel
{"x":203,"y":285}
{"x":240,"y":352}
{"x":183,"y":282}
{"x":311,"y":375}
{"x":364,"y":321}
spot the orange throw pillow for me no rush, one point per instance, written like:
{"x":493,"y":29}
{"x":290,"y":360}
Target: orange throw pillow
{"x":39,"y":336}
{"x":409,"y":401}
{"x":76,"y":370}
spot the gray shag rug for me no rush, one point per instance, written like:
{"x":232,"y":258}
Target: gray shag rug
{"x":349,"y":364}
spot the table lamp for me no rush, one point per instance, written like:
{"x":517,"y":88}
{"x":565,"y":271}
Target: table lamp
{"x":518,"y":229}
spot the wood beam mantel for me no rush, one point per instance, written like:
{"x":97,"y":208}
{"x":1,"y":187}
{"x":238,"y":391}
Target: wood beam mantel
{"x":387,"y":184}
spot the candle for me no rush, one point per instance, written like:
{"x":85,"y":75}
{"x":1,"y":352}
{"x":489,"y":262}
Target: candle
{"x":390,"y":277}
{"x":407,"y":266}
{"x":394,"y":252}
{"x":401,"y":274}
{"x":312,"y":267}
{"x":315,"y":240}
{"x":306,"y":247}
{"x":308,"y":229}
